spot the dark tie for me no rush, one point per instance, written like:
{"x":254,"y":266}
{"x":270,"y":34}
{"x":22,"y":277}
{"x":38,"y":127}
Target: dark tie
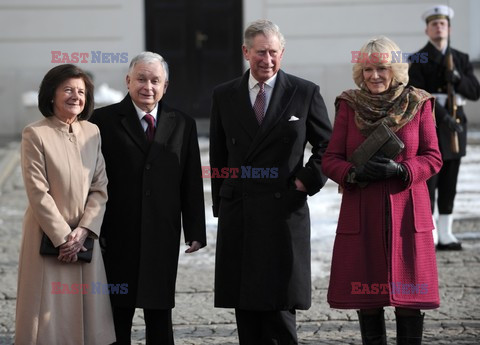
{"x":150,"y":132}
{"x":259,"y":105}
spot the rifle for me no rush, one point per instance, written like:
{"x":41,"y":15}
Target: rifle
{"x":451,"y":101}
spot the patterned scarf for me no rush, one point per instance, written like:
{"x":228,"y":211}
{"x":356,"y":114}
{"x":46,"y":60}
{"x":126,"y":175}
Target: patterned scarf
{"x":396,"y":107}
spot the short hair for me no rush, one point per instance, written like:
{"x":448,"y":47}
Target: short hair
{"x":264,"y":27}
{"x":52,"y":80}
{"x":149,"y":57}
{"x":432,"y":18}
{"x":381,"y":44}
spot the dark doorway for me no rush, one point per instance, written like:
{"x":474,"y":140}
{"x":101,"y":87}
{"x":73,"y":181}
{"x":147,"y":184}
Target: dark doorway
{"x":201,"y":41}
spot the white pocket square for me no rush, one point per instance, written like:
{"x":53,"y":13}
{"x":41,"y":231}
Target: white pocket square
{"x":293,"y":118}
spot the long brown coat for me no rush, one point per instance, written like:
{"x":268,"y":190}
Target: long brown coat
{"x":66,"y":184}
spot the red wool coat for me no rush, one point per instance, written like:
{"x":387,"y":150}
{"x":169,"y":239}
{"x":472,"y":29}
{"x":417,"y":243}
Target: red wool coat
{"x":372,"y":266}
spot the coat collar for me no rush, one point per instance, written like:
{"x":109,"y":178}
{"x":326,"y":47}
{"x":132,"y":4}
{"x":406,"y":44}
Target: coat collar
{"x":243,"y":111}
{"x":166,"y":121}
{"x":55,"y":122}
{"x":282,"y":95}
{"x":434,"y":54}
{"x":240,"y":99}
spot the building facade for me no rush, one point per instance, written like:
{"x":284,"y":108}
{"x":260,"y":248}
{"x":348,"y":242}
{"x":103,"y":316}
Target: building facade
{"x":201,"y":39}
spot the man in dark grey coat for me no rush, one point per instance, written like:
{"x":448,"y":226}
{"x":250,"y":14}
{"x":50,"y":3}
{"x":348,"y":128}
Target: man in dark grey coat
{"x":260,"y":124}
{"x":154,"y":188}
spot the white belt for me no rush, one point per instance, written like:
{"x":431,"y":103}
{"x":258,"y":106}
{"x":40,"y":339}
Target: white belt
{"x":442,"y":99}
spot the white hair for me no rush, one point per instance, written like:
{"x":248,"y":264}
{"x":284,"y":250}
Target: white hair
{"x":149,"y":57}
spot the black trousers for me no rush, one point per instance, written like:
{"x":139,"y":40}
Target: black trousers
{"x":158,"y":326}
{"x":446,"y":184}
{"x":266,"y":327}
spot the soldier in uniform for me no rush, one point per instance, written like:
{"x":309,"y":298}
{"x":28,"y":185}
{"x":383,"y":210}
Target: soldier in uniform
{"x":434,"y":76}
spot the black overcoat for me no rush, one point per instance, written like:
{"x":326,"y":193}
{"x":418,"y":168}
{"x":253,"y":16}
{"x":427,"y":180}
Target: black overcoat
{"x":152,"y":190}
{"x":263,"y":240}
{"x":430,"y":76}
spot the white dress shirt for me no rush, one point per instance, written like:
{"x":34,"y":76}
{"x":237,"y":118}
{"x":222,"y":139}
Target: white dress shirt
{"x":141,"y":114}
{"x":253,"y":89}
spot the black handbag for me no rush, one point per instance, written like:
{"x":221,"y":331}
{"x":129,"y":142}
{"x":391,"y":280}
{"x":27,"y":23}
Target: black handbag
{"x":47,"y":248}
{"x":382,"y":141}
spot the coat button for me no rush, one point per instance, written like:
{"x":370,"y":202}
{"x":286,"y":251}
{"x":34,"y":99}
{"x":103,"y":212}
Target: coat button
{"x":148,"y":166}
{"x":278,"y":195}
{"x":245,"y":195}
{"x":286,"y":140}
{"x":148,"y":193}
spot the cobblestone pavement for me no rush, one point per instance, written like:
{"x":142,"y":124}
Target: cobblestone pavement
{"x":196,"y":322}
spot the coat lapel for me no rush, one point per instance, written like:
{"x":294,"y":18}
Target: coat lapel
{"x":132,"y":125}
{"x":282,"y":95}
{"x":434,"y":55}
{"x":166,"y":122}
{"x":243,"y":110}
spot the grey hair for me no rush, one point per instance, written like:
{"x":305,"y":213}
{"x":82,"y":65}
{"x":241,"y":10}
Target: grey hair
{"x":264,"y":27}
{"x":149,"y":57}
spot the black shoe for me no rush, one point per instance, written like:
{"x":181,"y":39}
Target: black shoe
{"x":450,"y":246}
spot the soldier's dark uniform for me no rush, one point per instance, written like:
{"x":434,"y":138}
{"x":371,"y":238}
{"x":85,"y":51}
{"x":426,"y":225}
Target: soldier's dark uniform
{"x":431,"y":76}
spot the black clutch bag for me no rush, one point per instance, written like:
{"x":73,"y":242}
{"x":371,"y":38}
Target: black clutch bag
{"x":382,"y":141}
{"x":47,"y":248}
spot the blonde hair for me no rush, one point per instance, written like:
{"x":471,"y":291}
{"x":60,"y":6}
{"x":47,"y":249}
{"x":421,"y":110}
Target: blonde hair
{"x":385,"y":46}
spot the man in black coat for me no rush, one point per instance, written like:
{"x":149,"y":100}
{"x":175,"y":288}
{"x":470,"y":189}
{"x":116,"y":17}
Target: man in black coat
{"x":433,"y":77}
{"x":260,"y":124}
{"x":154,"y":188}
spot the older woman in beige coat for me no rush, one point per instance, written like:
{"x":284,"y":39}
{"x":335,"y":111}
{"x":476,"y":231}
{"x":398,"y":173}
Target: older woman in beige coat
{"x":62,"y":300}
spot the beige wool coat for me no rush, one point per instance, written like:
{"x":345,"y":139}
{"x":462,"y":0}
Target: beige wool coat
{"x":66,"y":186}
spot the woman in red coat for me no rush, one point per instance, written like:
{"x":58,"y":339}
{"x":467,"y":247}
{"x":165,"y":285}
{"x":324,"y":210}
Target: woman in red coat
{"x":384,"y":253}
